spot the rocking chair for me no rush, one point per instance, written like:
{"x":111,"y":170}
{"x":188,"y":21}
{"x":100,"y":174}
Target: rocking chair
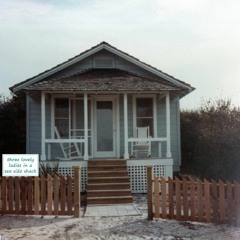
{"x":141,"y":146}
{"x":69,"y":150}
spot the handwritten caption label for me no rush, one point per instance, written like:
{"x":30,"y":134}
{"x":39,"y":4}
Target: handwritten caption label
{"x":20,"y":165}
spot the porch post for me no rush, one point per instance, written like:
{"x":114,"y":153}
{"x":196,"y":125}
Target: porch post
{"x":43,"y":125}
{"x":86,"y":157}
{"x":126,"y":154}
{"x":168,"y":130}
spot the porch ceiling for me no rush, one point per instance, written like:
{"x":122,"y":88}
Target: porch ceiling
{"x":103,"y":80}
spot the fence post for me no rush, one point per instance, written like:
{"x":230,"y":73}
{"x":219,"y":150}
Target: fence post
{"x":185,"y":199}
{"x":207,"y":201}
{"x":237,"y":201}
{"x":199,"y":196}
{"x":214,"y":197}
{"x":49,"y":194}
{"x":156,"y":198}
{"x":178,"y":199}
{"x":192,"y":199}
{"x":56,"y":194}
{"x":149,"y":192}
{"x":229,"y":202}
{"x":76,"y":191}
{"x":222,"y":201}
{"x":23,"y":195}
{"x":170,"y":198}
{"x":164,"y":197}
{"x":36,"y":195}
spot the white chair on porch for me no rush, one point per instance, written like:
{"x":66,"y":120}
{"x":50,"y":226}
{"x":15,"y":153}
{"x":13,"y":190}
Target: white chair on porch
{"x":141,"y":146}
{"x":69,"y":150}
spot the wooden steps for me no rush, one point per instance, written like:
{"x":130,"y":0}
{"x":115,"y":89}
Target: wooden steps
{"x":108,"y":182}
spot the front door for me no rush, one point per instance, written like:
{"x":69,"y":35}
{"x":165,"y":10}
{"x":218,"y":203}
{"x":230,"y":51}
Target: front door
{"x":105,"y":127}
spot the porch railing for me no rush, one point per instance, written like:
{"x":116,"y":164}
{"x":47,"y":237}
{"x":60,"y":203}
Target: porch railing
{"x":50,"y":142}
{"x":159,"y":140}
{"x":76,"y":139}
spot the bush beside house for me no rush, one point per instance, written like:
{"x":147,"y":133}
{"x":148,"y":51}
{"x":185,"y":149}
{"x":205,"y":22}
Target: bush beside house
{"x":211,"y":141}
{"x":12,"y":125}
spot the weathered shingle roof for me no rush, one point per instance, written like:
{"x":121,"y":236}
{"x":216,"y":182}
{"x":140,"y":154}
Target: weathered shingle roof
{"x":103,"y":45}
{"x":102,"y":80}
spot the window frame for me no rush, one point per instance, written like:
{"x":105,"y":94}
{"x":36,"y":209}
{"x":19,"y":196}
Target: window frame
{"x":153,"y":96}
{"x":54,"y":115}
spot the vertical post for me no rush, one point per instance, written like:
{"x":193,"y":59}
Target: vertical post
{"x":86,"y":157}
{"x":76,"y":191}
{"x":56,"y":194}
{"x":185,"y":199}
{"x":168,"y":131}
{"x":69,"y":196}
{"x":164,"y":197}
{"x":156,"y":198}
{"x":49,"y":194}
{"x":237,"y":201}
{"x":171,"y":198}
{"x":23,"y":195}
{"x":229,"y":202}
{"x":222,"y":201}
{"x":207,"y":201}
{"x":192,"y":199}
{"x":149,"y":192}
{"x":214,"y":196}
{"x":200,"y":200}
{"x":178,"y":198}
{"x":36,"y":195}
{"x":43,"y":194}
{"x":43,"y":125}
{"x":126,"y":154}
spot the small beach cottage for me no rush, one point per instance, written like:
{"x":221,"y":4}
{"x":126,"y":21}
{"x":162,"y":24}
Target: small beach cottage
{"x":105,"y":104}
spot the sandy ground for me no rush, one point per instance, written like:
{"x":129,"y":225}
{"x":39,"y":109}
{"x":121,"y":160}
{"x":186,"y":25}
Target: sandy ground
{"x":130,"y":227}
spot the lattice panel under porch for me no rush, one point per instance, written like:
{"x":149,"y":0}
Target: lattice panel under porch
{"x":138,"y":176}
{"x":65,"y":171}
{"x":159,"y":171}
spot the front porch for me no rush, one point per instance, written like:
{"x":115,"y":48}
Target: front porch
{"x":104,"y":126}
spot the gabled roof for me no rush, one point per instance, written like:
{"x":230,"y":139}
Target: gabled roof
{"x":102,"y":80}
{"x":103,"y":45}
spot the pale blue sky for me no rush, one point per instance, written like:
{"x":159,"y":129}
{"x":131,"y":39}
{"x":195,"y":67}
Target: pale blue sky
{"x":197,"y":41}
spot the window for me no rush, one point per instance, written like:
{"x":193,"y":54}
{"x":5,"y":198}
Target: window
{"x":62,"y":116}
{"x":145,"y":113}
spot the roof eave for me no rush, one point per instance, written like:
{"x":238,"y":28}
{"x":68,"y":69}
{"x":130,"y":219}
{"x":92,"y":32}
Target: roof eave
{"x":95,"y":49}
{"x":146,"y":67}
{"x":59,"y":68}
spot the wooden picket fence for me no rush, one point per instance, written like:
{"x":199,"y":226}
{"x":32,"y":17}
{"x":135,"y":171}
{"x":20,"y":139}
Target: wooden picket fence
{"x":189,"y":200}
{"x":40,"y":195}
